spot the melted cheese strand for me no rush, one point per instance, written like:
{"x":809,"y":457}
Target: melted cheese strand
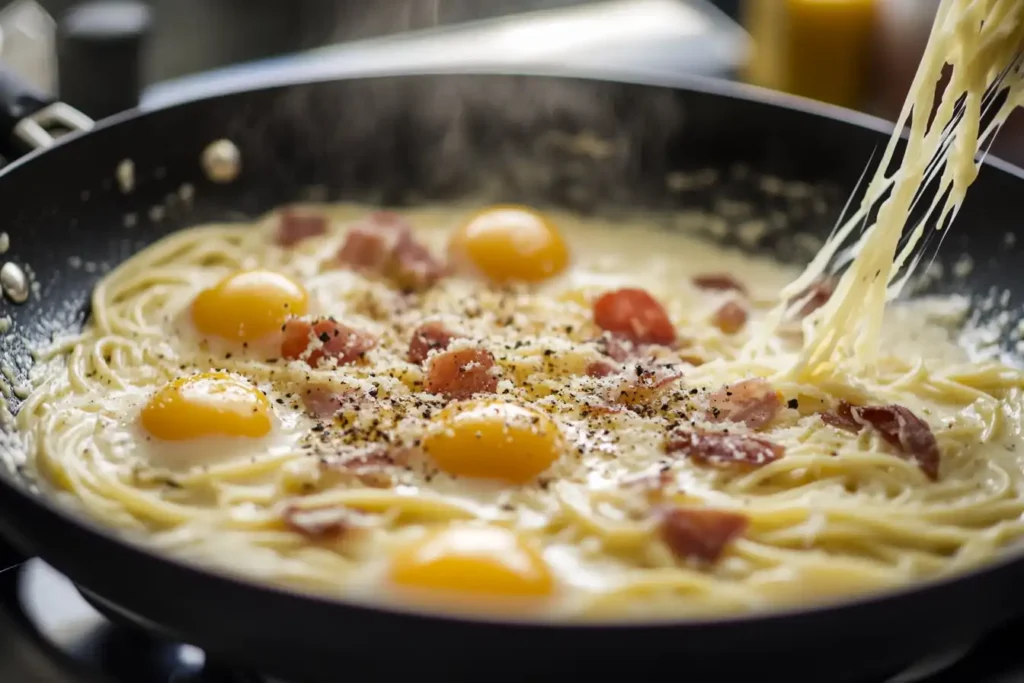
{"x":982,"y":41}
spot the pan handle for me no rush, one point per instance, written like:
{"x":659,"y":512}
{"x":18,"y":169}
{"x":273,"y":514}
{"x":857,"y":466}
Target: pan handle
{"x":31,"y":119}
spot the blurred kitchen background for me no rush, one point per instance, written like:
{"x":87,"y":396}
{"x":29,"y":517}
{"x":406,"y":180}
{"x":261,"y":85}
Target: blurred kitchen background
{"x":114,"y":53}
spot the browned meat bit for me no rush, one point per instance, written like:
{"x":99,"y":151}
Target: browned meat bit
{"x":721,"y":282}
{"x":724,"y":451}
{"x":700,"y":534}
{"x":730,"y":317}
{"x":325,"y":402}
{"x":321,"y":523}
{"x":643,"y":384}
{"x":816,"y":296}
{"x":430,"y":336}
{"x":842,"y":418}
{"x":293,"y":227}
{"x":372,"y":466}
{"x":462,"y":373}
{"x":900,"y":428}
{"x":752,"y":401}
{"x":621,"y":350}
{"x":384,"y":245}
{"x":369,"y":245}
{"x":317,"y":340}
{"x":602,"y":368}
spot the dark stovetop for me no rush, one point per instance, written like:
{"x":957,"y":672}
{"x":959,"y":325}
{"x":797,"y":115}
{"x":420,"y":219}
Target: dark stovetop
{"x":49,"y":634}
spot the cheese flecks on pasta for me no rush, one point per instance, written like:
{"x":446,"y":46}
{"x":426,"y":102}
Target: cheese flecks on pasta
{"x":177,"y":422}
{"x":572,"y":418}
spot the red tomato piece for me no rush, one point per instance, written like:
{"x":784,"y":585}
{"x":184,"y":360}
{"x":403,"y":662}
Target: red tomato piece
{"x":635,"y":315}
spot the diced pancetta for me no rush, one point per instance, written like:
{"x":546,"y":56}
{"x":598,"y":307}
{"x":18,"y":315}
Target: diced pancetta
{"x":294,"y":226}
{"x":898,"y":426}
{"x":730,"y":317}
{"x":721,"y":282}
{"x":842,"y":418}
{"x":753,"y":402}
{"x":384,"y":245}
{"x":642,"y":384}
{"x":329,"y":523}
{"x":700,"y":534}
{"x":317,"y":340}
{"x":429,"y":337}
{"x":615,"y":347}
{"x":602,"y":368}
{"x":373,"y":466}
{"x":724,"y":451}
{"x":324,"y":402}
{"x":461,"y":373}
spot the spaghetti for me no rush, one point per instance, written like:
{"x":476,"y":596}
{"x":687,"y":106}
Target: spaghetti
{"x":311,"y":401}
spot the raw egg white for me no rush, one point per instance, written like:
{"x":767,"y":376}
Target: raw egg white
{"x":210,"y":418}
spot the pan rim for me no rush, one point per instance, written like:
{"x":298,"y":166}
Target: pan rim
{"x":849,"y":605}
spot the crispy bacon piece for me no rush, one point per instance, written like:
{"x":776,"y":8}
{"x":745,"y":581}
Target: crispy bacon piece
{"x":700,"y":534}
{"x":370,"y":244}
{"x":635,"y":315}
{"x":724,"y":450}
{"x":642,"y":384}
{"x":752,"y":401}
{"x":906,"y":431}
{"x":320,"y":523}
{"x":730,"y":317}
{"x":903,"y":430}
{"x":325,"y":338}
{"x":720,"y":282}
{"x":842,"y":418}
{"x":384,"y":245}
{"x":817,"y":295}
{"x":372,"y":466}
{"x":461,"y":373}
{"x":413,"y":266}
{"x":430,"y":336}
{"x":293,"y":227}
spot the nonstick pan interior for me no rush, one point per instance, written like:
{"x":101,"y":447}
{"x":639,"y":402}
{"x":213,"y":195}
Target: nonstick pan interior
{"x":592,"y":146}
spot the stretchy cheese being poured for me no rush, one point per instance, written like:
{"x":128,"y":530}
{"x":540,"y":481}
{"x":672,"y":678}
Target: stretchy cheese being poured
{"x":979,"y":43}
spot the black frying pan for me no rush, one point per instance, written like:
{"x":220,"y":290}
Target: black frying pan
{"x":403,"y":139}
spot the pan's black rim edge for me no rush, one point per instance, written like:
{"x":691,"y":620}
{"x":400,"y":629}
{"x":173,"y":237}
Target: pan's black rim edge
{"x":858,"y":603}
{"x":696,"y":83}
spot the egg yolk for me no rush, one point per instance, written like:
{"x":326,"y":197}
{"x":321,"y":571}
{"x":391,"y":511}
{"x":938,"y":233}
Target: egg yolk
{"x":481,"y":561}
{"x":249,"y":305}
{"x":493,"y":440}
{"x":207,"y":404}
{"x":510,"y":243}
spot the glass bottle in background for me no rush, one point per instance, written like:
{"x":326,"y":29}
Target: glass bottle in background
{"x":902,"y":35}
{"x":819,"y":49}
